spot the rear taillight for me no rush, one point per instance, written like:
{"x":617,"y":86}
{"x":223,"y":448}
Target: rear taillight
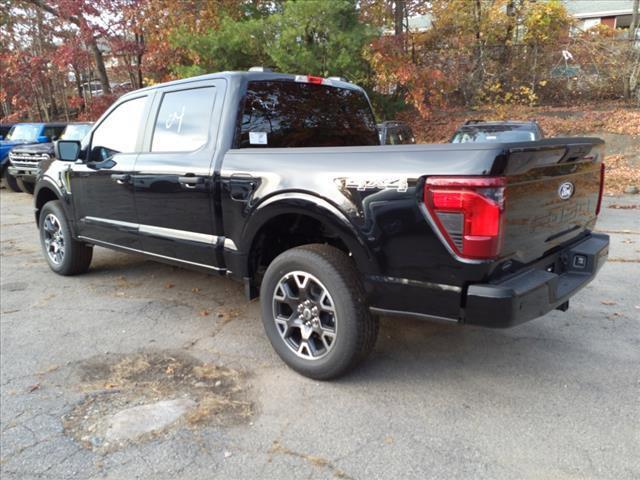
{"x":602,"y":168}
{"x":469,"y":213}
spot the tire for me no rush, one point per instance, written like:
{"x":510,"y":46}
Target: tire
{"x":64,"y":255}
{"x":300,"y":289}
{"x":12,"y":182}
{"x":26,"y":187}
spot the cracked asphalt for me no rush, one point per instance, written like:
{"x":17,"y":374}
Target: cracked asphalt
{"x":558,"y":397}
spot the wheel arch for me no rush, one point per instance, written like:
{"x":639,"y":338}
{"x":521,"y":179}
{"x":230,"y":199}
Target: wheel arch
{"x":47,"y":191}
{"x":293,"y":219}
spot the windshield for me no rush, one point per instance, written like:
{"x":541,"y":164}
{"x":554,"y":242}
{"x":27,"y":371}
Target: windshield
{"x":292,"y":114}
{"x":28,"y":133}
{"x":75,"y":132}
{"x":494,"y":134}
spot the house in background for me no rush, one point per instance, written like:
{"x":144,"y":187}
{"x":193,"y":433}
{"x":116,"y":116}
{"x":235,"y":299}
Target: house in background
{"x":414,"y":24}
{"x":589,"y":13}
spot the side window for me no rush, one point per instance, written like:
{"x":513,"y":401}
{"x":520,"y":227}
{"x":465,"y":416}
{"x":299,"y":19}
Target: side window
{"x":394,"y":137}
{"x":184,"y":120}
{"x":118,"y":132}
{"x":407,"y":136}
{"x":53,"y":133}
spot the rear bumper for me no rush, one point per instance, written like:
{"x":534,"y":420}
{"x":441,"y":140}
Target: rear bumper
{"x":537,"y":291}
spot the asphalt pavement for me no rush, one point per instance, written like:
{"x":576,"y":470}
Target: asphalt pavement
{"x":558,"y":397}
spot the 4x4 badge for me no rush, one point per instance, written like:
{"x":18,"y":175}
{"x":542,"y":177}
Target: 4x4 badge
{"x":565,"y":190}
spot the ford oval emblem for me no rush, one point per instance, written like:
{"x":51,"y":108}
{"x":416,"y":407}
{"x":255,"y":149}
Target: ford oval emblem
{"x":565,"y":191}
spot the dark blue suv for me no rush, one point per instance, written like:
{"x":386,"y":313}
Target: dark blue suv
{"x":23,"y":134}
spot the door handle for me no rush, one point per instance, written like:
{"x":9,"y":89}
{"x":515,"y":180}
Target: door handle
{"x":191,"y":181}
{"x":121,"y":178}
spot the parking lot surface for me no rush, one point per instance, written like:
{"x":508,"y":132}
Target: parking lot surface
{"x":558,"y":397}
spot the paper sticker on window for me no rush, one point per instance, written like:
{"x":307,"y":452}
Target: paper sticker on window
{"x":258,"y":138}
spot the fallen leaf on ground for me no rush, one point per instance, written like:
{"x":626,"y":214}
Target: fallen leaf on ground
{"x":623,"y":207}
{"x":608,"y":302}
{"x":34,"y":387}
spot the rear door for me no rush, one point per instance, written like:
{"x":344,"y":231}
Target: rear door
{"x":174,"y":175}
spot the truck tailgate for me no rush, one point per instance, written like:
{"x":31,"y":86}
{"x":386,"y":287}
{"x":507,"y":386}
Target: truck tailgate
{"x":552,"y":196}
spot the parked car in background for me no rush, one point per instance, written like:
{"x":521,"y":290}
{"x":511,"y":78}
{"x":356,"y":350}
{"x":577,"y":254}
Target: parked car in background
{"x":4,"y":129}
{"x":25,"y":134}
{"x":92,"y":89}
{"x":123,"y":87}
{"x":498,"y":131}
{"x":395,"y":133}
{"x":24,"y":161}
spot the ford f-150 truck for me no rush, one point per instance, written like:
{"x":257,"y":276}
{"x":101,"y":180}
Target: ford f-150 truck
{"x":280,"y":182}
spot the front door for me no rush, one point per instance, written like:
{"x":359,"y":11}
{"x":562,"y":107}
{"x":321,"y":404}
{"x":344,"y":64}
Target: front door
{"x":173,"y":181}
{"x":107,"y":211}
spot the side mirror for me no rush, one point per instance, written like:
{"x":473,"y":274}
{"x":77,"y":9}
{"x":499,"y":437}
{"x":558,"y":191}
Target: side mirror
{"x":67,"y":150}
{"x":43,"y":139}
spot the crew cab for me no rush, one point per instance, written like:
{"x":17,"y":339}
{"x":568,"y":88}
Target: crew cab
{"x":279,"y":181}
{"x":24,"y":160}
{"x":25,"y":134}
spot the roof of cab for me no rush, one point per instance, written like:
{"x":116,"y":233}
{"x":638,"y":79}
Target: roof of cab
{"x":240,"y":76}
{"x":46,"y":124}
{"x":500,"y":122}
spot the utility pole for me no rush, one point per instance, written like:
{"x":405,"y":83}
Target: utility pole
{"x":634,"y":20}
{"x":632,"y":82}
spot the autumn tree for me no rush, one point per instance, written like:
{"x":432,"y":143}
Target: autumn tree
{"x":82,"y":14}
{"x":322,"y":37}
{"x":30,"y":81}
{"x":475,"y":51}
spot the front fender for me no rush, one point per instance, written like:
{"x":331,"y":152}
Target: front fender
{"x":47,"y":189}
{"x":50,"y":184}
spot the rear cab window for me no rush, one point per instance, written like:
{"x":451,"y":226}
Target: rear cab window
{"x":286,"y":113}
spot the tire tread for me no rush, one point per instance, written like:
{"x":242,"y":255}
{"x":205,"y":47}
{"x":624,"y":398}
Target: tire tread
{"x":367,"y":325}
{"x":79,"y":253}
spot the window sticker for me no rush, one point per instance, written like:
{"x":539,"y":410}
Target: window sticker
{"x":258,"y":138}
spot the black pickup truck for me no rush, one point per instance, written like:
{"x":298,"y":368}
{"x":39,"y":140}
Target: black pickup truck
{"x":279,"y":181}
